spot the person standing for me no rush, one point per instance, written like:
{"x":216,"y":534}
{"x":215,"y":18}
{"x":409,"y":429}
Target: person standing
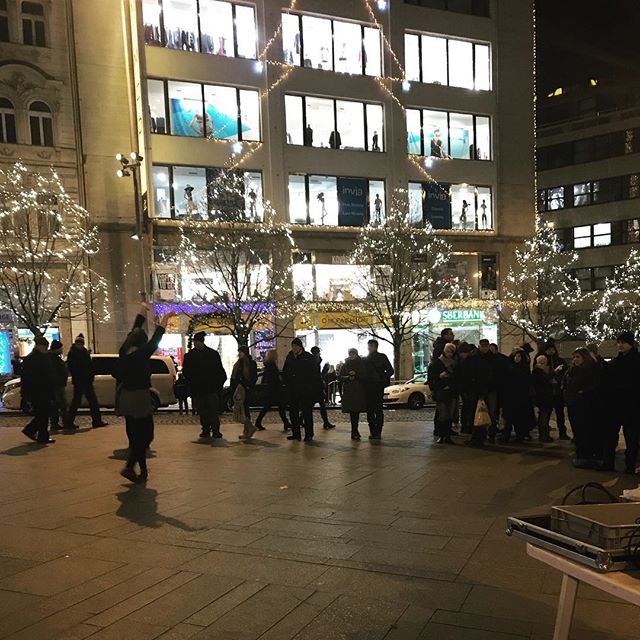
{"x":446,"y":336}
{"x":243,"y":382}
{"x":271,"y":379}
{"x":302,"y":381}
{"x":379,"y":372}
{"x":133,"y":395}
{"x":322,"y":400}
{"x":442,"y":377}
{"x":465,"y":376}
{"x":621,"y":387}
{"x":37,"y":389}
{"x":354,"y":395}
{"x":82,"y":376}
{"x":580,"y":391}
{"x":486,"y":382}
{"x":559,"y":367}
{"x":205,"y":375}
{"x":60,"y":375}
{"x":542,"y":377}
{"x":517,"y":403}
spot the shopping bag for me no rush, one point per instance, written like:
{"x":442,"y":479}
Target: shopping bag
{"x":482,"y":417}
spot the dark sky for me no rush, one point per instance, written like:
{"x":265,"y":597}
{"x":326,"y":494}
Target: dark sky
{"x":582,"y":39}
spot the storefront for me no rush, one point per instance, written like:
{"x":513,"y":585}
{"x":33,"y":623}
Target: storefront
{"x":469,"y":325}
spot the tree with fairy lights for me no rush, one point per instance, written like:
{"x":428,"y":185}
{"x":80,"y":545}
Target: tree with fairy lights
{"x":235,"y":275}
{"x":618,"y":306}
{"x":405,"y":278}
{"x":46,"y":244}
{"x":541,"y":289}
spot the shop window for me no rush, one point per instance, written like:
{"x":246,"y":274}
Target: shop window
{"x":4,"y":21}
{"x":461,"y":135}
{"x":555,"y":198}
{"x":434,"y":60}
{"x":375,"y":127}
{"x":7,"y":122}
{"x":187,"y":116}
{"x":302,"y":276}
{"x":216,"y":26}
{"x":372,"y":52}
{"x":157,"y":106}
{"x":482,"y":149}
{"x":190,"y":192}
{"x":151,"y":10}
{"x":484,"y":215}
{"x":318,"y":39}
{"x":297,"y":199}
{"x":161,"y":192}
{"x":249,"y":115}
{"x":602,"y":234}
{"x":33,"y":25}
{"x":461,"y":64}
{"x":340,"y":282}
{"x":291,"y":42}
{"x":181,"y":24}
{"x":581,"y":194}
{"x":412,"y":57}
{"x":221,"y":107}
{"x":482,"y":54}
{"x":347,"y":38}
{"x":320,"y":126}
{"x":582,"y":237}
{"x":632,"y":231}
{"x":435,"y":127}
{"x":253,"y":198}
{"x":414,"y":132}
{"x":323,"y":200}
{"x":293,"y":106}
{"x":350,"y":124}
{"x":41,"y":125}
{"x":234,"y":196}
{"x":463,"y":211}
{"x":416,"y":199}
{"x":377,"y":209}
{"x":246,"y":31}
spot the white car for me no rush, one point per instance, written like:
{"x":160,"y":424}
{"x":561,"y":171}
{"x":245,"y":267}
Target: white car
{"x":163,"y":376}
{"x":414,"y":393}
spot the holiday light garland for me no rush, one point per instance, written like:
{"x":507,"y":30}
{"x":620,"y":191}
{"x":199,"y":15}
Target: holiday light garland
{"x":46,"y":241}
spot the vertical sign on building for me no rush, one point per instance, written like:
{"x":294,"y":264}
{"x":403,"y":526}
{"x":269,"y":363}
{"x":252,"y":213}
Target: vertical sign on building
{"x":437,"y":205}
{"x":352,"y":202}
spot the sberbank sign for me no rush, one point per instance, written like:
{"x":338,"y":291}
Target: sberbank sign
{"x":461,"y":315}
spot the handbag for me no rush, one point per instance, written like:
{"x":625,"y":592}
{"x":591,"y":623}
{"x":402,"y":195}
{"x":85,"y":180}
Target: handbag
{"x":482,"y":417}
{"x":133,"y":403}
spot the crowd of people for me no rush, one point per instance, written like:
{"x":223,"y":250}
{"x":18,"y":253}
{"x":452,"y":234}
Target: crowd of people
{"x":493,"y":396}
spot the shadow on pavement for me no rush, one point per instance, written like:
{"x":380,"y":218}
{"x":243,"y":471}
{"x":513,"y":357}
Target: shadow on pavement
{"x":121,"y":454}
{"x":23,"y":449}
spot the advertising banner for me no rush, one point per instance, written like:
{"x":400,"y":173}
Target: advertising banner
{"x":437,"y":205}
{"x":352,"y":202}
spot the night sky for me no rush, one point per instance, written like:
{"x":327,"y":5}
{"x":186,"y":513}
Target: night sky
{"x":582,"y":39}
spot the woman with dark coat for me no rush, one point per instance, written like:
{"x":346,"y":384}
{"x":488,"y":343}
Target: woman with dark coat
{"x":517,"y":406}
{"x":133,"y":395}
{"x":543,"y":380}
{"x":275,"y":394}
{"x":444,"y":388}
{"x":245,"y":374}
{"x":353,"y":375}
{"x":580,"y":392}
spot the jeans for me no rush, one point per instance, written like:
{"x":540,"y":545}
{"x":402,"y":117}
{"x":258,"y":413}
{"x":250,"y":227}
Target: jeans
{"x":208,"y":407}
{"x":140,"y":434}
{"x":85,"y":389}
{"x":375,"y":410}
{"x":279,"y":404}
{"x":39,"y":424}
{"x":296,"y":407}
{"x":59,"y":407}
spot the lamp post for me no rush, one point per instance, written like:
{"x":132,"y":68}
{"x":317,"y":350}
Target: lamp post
{"x":130,"y":167}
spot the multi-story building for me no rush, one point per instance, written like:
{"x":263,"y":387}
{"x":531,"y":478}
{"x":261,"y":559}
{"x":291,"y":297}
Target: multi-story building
{"x":325,"y":108}
{"x":588,"y":165}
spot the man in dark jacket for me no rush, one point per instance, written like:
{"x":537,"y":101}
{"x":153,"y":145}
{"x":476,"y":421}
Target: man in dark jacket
{"x":37,"y":390}
{"x":82,"y":375}
{"x":559,"y":367}
{"x":303,"y":383}
{"x":60,"y":375}
{"x":326,"y":423}
{"x":446,"y":336}
{"x":621,"y":380}
{"x":379,"y":372}
{"x":486,"y":387}
{"x":466,"y":379}
{"x":202,"y":367}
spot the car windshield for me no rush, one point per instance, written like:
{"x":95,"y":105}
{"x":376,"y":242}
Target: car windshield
{"x":419,"y":379}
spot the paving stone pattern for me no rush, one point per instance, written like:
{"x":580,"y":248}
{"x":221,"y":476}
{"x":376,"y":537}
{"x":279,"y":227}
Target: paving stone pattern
{"x":277,"y":540}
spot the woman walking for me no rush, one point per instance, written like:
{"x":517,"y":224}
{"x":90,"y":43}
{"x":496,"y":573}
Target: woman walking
{"x":580,"y":391}
{"x":275,"y":394}
{"x":243,"y":383}
{"x":543,"y":379}
{"x":445,"y":392}
{"x":133,"y":394}
{"x":517,"y":406}
{"x":353,"y":375}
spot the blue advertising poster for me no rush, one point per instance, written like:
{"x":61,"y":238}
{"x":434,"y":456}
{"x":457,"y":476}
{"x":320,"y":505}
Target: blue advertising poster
{"x":352,"y":202}
{"x":5,"y":352}
{"x":186,"y":120}
{"x":437,"y":205}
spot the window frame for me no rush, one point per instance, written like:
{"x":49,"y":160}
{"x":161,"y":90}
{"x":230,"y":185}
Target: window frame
{"x":7,"y":113}
{"x":5,"y":22}
{"x":31,"y":21}
{"x":592,"y":279}
{"x":41,"y":117}
{"x":591,"y":236}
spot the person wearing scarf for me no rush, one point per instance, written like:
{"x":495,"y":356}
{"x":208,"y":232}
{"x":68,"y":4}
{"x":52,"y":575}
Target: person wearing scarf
{"x":443,"y":385}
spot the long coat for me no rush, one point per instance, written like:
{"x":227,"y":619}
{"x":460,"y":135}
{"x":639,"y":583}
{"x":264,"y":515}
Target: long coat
{"x":354,"y":389}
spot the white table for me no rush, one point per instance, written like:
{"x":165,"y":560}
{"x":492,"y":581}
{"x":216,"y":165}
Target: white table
{"x":623,"y":585}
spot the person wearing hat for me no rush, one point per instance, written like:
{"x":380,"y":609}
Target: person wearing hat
{"x":205,"y":375}
{"x":82,"y":375}
{"x":621,"y":387}
{"x":60,"y":375}
{"x":37,"y":390}
{"x":303,"y":384}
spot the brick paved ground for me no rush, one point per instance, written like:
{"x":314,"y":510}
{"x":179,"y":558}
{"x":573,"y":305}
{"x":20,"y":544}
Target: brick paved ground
{"x":277,"y":540}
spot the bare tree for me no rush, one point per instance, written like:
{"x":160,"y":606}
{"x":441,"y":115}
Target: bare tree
{"x":46,"y":242}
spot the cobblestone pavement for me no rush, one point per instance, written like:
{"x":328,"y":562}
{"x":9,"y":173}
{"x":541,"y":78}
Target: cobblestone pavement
{"x":279,"y":540}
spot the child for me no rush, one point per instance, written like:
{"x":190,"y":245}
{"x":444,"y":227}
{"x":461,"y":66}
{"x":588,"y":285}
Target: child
{"x":181,"y":391}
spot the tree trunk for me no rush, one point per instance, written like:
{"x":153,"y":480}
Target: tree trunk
{"x":397,"y":357}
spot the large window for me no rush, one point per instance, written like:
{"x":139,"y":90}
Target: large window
{"x":41,"y":124}
{"x":212,"y":111}
{"x":594,"y":278}
{"x":332,"y":45}
{"x":326,"y":281}
{"x":203,"y":193}
{"x":33,"y":26}
{"x":337,"y":124}
{"x":211,"y":26}
{"x":336,"y":201}
{"x":4,"y":21}
{"x":7,"y":122}
{"x":596,"y":235}
{"x":456,"y":206}
{"x":447,"y":61}
{"x":448,"y":135}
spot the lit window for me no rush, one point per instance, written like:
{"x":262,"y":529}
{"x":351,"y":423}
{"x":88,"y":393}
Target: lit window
{"x":294,"y":119}
{"x":435,"y":127}
{"x":602,"y":234}
{"x":483,"y":139}
{"x":190,"y":192}
{"x":434,"y":60}
{"x":482,"y":67}
{"x":555,"y":198}
{"x":323,"y":200}
{"x":7,"y":122}
{"x":485,"y":210}
{"x":181,"y":24}
{"x":151,"y":11}
{"x":246,"y":31}
{"x":375,"y":127}
{"x":582,"y":237}
{"x":216,"y":25}
{"x":317,"y":43}
{"x":302,"y":276}
{"x":350,"y":124}
{"x":412,"y":57}
{"x":186,"y":109}
{"x":249,"y":115}
{"x":339,"y":282}
{"x":297,"y":200}
{"x":414,"y":132}
{"x":461,"y":135}
{"x":41,"y":125}
{"x":347,"y":38}
{"x":221,"y":106}
{"x":33,"y":28}
{"x":416,"y":206}
{"x":377,"y":209}
{"x":632,"y":231}
{"x":161,"y":192}
{"x":372,"y":52}
{"x":320,"y":128}
{"x":291,"y":43}
{"x":4,"y":21}
{"x":461,"y":64}
{"x":157,"y":106}
{"x":581,"y":194}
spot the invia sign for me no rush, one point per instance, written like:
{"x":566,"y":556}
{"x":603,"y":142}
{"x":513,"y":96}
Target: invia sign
{"x":462,"y":315}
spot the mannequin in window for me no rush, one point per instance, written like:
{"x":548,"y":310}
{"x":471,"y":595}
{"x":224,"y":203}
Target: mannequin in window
{"x":191,"y":209}
{"x":463,"y":215}
{"x":375,"y":145}
{"x":323,"y":207}
{"x":377,"y":210}
{"x":483,"y":206}
{"x":253,"y":197}
{"x":437,"y":146}
{"x":196,"y":124}
{"x":308,"y":136}
{"x":335,"y":141}
{"x":343,"y":52}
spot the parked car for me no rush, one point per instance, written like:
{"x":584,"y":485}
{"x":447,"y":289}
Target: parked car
{"x":163,"y":376}
{"x":414,"y":393}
